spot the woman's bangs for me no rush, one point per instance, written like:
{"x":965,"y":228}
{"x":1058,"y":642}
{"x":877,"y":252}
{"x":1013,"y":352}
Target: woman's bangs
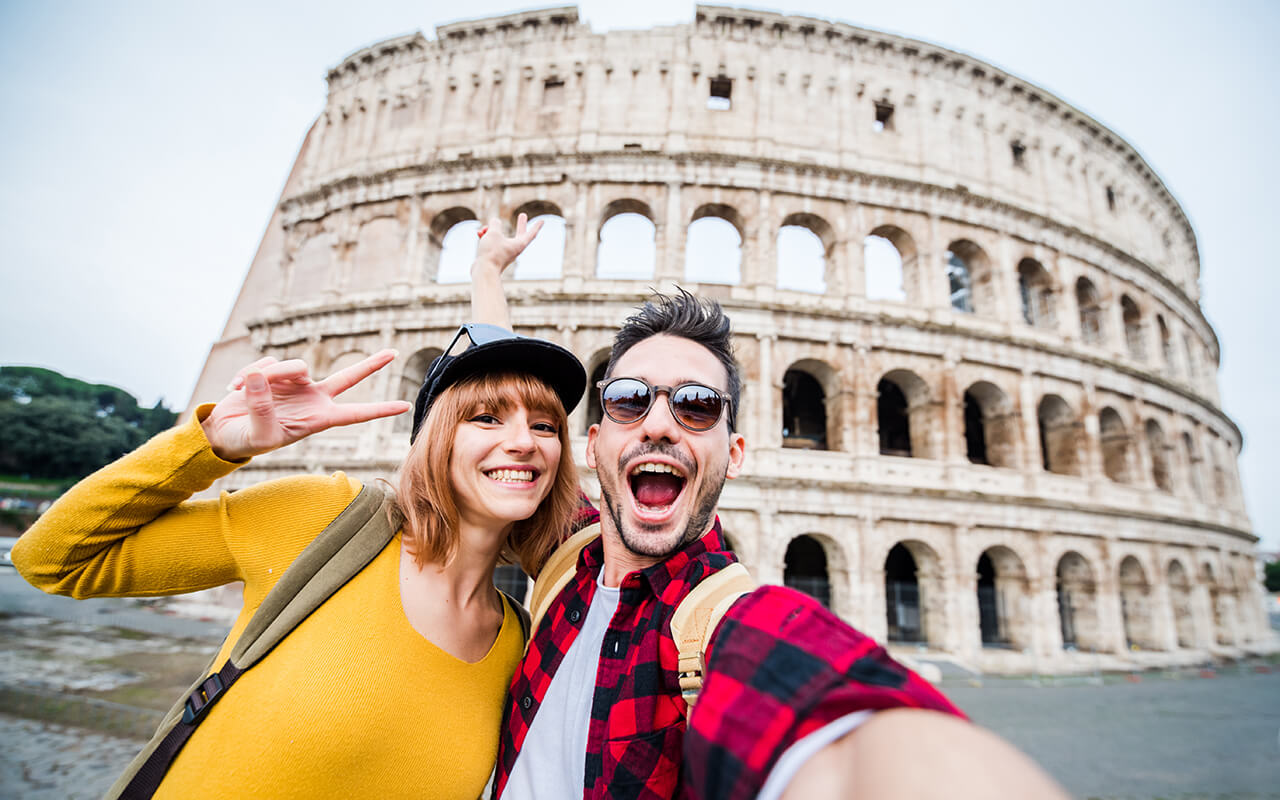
{"x":503,"y":391}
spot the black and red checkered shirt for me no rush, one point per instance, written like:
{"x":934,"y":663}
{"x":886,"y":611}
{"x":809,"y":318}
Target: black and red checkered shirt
{"x":636,"y":741}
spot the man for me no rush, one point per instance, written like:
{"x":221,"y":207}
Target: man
{"x":791,"y":694}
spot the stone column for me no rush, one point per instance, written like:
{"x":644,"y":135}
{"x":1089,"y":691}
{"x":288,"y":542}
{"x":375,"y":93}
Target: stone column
{"x":1046,"y":625}
{"x":768,"y":430}
{"x":866,"y":440}
{"x":670,"y":267}
{"x":578,"y":255}
{"x":952,"y":415}
{"x":1033,"y":461}
{"x":759,"y":268}
{"x":1091,"y":466}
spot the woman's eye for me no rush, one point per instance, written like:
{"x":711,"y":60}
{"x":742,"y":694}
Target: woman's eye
{"x":484,"y":419}
{"x":545,"y":427}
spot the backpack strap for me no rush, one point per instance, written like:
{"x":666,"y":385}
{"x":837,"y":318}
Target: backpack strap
{"x":555,"y":575}
{"x":695,"y":619}
{"x":335,"y":556}
{"x":521,"y":613}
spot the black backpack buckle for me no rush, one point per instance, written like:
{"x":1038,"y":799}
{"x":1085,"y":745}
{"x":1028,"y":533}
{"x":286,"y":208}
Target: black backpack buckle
{"x":203,"y":697}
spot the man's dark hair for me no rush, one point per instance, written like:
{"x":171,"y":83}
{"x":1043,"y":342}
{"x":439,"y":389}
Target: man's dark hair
{"x":686,"y":316}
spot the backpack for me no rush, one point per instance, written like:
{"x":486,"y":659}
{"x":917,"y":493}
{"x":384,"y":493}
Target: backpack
{"x":692,"y":625}
{"x":344,"y":548}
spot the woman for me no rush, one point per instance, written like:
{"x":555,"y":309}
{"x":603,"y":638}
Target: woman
{"x":394,"y":686}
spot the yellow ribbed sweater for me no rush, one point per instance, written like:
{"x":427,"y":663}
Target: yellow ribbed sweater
{"x":353,"y":703}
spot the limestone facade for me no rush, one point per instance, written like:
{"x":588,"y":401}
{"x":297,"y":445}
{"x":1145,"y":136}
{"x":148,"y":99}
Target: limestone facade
{"x":1013,"y":456}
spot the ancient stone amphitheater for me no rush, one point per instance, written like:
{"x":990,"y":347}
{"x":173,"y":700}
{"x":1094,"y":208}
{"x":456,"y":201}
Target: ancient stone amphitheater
{"x":980,"y":406}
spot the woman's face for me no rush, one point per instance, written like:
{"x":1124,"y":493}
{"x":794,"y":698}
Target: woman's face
{"x":503,"y":464}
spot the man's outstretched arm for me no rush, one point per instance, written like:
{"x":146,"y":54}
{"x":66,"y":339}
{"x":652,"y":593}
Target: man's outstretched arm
{"x":495,"y":253}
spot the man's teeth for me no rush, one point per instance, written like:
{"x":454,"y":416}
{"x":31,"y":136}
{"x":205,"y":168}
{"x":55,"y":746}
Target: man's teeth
{"x":659,"y":468}
{"x":511,"y":475}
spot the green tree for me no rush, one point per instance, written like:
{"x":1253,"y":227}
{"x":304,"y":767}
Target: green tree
{"x":1272,"y":573}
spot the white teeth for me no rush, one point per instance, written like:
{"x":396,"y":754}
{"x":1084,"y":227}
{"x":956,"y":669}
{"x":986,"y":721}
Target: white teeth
{"x":511,"y":475}
{"x":650,"y":466}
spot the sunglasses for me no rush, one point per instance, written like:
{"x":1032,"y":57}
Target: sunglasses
{"x":696,"y":407}
{"x":478,"y":333}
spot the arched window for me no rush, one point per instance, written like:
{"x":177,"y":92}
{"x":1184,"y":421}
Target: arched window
{"x":804,"y":411}
{"x":544,"y":257}
{"x":806,"y":569}
{"x":1160,"y":472}
{"x":1036,"y":290}
{"x":458,"y":251}
{"x":628,"y":246}
{"x":895,"y":422}
{"x":713,"y":250}
{"x":902,"y":596}
{"x":1132,"y":328}
{"x":1090,"y":306}
{"x":1180,"y":598}
{"x":1004,"y":595}
{"x":961,"y":282}
{"x":1115,"y":446}
{"x":990,"y":426}
{"x":1077,"y":603}
{"x":1194,"y":466}
{"x":415,"y":370}
{"x":802,"y":259}
{"x":1166,"y":347}
{"x":1135,"y":606}
{"x":1059,"y":431}
{"x":883,"y":264}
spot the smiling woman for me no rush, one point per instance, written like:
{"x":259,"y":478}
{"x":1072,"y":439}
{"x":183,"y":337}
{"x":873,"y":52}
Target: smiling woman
{"x":488,"y":479}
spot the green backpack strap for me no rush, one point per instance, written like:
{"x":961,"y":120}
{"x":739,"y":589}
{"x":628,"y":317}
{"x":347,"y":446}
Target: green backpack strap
{"x":335,"y":556}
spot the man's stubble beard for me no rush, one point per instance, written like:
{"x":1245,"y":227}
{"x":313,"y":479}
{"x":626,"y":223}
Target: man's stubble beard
{"x":699,"y":520}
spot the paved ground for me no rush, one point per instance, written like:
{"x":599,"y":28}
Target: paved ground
{"x":82,"y":685}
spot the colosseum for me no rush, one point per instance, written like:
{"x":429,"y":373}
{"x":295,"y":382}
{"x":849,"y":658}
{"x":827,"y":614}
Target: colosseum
{"x":981,"y":407}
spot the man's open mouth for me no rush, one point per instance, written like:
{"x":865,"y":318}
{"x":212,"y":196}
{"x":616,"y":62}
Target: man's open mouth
{"x":655,"y":486}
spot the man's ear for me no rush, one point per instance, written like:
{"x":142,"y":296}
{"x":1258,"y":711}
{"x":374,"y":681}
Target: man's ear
{"x":592,"y":434}
{"x":737,"y":452}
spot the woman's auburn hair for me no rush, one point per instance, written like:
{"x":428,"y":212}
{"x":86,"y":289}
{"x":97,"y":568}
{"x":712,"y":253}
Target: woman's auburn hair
{"x":425,"y":508}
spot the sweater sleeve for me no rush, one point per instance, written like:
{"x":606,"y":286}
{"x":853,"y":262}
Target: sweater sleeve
{"x":130,"y":529}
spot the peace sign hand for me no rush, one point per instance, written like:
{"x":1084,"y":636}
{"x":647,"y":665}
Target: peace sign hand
{"x":275,"y":403}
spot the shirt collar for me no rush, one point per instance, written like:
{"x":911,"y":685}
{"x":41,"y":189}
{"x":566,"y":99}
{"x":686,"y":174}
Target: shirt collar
{"x":661,"y":575}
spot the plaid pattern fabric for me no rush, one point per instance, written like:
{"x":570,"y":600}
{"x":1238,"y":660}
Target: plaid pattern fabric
{"x":779,"y":667}
{"x":637,"y":726}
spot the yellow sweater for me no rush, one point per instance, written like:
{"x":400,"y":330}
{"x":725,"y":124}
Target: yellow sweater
{"x":353,"y":703}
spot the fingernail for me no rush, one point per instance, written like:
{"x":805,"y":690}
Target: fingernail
{"x":480,"y":234}
{"x":255,"y":382}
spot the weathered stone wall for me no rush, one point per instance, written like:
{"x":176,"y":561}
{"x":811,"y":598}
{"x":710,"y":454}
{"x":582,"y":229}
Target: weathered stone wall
{"x":1033,"y":416}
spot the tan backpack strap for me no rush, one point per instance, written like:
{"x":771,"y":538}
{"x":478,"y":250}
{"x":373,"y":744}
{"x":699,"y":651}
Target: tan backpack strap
{"x":556,"y":573}
{"x":696,"y":618}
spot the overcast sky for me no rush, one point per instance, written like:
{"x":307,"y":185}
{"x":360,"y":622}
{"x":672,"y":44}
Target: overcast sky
{"x":145,"y":144}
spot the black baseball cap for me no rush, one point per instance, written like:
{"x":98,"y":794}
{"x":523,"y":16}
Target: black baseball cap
{"x":496,"y":349}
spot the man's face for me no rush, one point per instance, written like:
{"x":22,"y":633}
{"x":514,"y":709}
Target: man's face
{"x":661,"y":481}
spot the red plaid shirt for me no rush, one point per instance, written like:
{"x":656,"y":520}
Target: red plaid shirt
{"x":636,"y":741}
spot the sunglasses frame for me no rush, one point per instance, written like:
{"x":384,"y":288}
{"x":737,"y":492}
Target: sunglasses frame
{"x":670,"y":392}
{"x":479,"y":333}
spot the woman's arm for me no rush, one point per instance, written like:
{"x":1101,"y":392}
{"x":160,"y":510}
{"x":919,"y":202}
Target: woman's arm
{"x":496,"y":252}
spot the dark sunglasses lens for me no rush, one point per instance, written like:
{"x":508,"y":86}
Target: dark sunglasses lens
{"x":625,"y":400}
{"x":697,"y":407}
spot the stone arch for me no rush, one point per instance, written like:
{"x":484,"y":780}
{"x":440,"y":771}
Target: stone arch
{"x":807,"y":568}
{"x":1078,"y":603}
{"x":378,"y":253}
{"x":1117,"y":446}
{"x":1161,"y":472}
{"x":890,"y":260}
{"x":596,"y":367}
{"x":1180,"y":600}
{"x":914,"y":595}
{"x":1135,"y":606}
{"x":411,"y":377}
{"x":905,"y":415}
{"x":544,"y":257}
{"x":1166,"y":346}
{"x":713,"y":247}
{"x":971,"y":278}
{"x":1195,"y":466}
{"x":1132,"y":318}
{"x":807,"y":411}
{"x":1089,"y":306}
{"x":311,"y":267}
{"x":1004,"y":599}
{"x":1060,"y":432}
{"x":803,"y":247}
{"x":1219,"y":604}
{"x":991,"y":426}
{"x":452,"y":242}
{"x":1035,"y":289}
{"x":627,"y":240}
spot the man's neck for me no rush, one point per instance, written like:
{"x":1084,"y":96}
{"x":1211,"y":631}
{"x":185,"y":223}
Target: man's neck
{"x":618,"y":560}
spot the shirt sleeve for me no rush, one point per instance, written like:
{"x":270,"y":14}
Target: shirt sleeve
{"x":779,"y":668}
{"x":130,"y":529}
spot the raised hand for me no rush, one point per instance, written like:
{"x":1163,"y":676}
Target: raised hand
{"x":276,"y":403}
{"x":497,"y":249}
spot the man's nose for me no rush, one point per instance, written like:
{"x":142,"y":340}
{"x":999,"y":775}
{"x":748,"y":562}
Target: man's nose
{"x":659,"y":424}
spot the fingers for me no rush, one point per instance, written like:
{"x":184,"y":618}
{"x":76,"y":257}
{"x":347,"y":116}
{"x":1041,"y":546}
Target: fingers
{"x":353,"y":413}
{"x":275,"y":372}
{"x":344,"y":379}
{"x":262,"y":411}
{"x":238,"y":380}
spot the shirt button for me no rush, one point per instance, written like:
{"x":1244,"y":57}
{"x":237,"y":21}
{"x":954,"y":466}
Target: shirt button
{"x":575,"y":615}
{"x":526,"y":702}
